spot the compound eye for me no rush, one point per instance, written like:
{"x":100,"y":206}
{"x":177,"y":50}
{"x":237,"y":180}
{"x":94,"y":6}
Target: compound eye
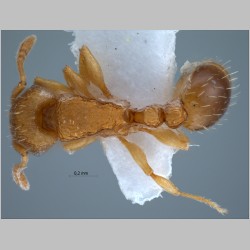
{"x":205,"y":91}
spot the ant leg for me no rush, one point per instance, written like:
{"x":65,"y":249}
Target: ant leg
{"x":51,"y":85}
{"x":140,"y":158}
{"x":91,"y":71}
{"x":173,"y":138}
{"x":77,"y":83}
{"x":22,"y":53}
{"x":75,"y":145}
{"x":17,"y":171}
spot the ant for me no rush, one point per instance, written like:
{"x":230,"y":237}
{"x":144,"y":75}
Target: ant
{"x":49,"y":111}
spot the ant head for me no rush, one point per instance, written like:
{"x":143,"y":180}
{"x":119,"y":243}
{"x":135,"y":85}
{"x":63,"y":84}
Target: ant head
{"x":204,"y":90}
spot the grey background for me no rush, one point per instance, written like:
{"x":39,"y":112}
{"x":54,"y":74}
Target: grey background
{"x":218,"y":169}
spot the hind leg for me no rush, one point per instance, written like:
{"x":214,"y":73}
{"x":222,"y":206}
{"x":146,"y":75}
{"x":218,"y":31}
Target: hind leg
{"x":17,"y":171}
{"x":172,"y":138}
{"x":91,"y":71}
{"x":141,"y":159}
{"x":23,"y":51}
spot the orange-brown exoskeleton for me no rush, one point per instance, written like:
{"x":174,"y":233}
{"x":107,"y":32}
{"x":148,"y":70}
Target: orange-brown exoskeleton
{"x":49,"y":111}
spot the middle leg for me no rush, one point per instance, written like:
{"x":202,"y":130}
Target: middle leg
{"x":77,"y":83}
{"x":78,"y":144}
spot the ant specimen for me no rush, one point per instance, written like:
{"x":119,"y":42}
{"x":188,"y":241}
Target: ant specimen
{"x":49,"y":111}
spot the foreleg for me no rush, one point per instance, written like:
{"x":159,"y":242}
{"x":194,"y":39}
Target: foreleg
{"x":51,"y":85}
